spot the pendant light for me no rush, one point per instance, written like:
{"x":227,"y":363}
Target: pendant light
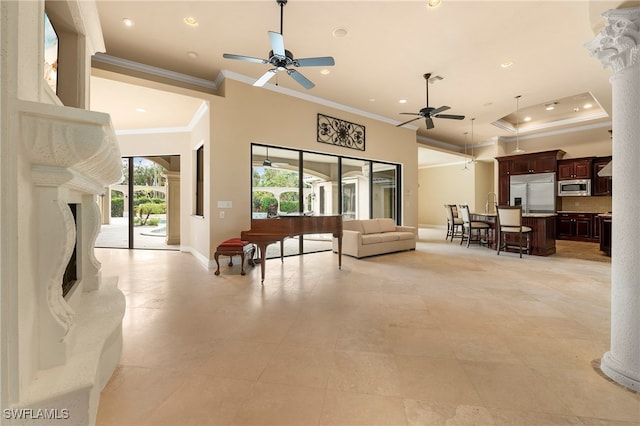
{"x":473,"y":157}
{"x":518,"y":150}
{"x":465,"y":151}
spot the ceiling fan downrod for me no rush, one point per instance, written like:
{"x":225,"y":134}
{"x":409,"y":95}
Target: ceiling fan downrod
{"x":282,"y":3}
{"x":427,"y":76}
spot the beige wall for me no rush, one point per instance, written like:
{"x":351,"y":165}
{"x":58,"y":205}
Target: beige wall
{"x":247,"y":114}
{"x":483,"y":183}
{"x":445,"y":185}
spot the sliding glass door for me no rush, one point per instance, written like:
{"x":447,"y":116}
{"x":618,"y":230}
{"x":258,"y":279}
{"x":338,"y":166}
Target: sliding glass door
{"x":384,"y":190}
{"x":138,"y":206}
{"x":292,"y":182}
{"x":276,"y":189}
{"x":321,"y":195}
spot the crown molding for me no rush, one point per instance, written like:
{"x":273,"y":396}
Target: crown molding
{"x":156,"y":71}
{"x":509,"y":139}
{"x":310,"y":98}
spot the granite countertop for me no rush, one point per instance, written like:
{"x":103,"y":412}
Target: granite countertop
{"x":523,"y":214}
{"x":583,"y":212}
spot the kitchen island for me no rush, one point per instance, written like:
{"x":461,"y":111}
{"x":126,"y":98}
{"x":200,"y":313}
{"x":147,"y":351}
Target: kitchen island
{"x":543,"y":226}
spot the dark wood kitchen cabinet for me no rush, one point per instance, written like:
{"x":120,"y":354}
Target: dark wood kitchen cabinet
{"x":575,"y":168}
{"x":575,"y":226}
{"x":601,"y":185}
{"x":605,"y":234}
{"x":534,"y":163}
{"x":522,"y":164}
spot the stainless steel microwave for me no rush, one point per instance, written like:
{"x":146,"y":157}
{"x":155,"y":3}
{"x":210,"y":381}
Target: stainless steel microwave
{"x":574,"y":188}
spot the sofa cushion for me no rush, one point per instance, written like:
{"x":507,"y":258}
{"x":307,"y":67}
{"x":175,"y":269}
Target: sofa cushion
{"x":387,"y":225}
{"x":353,"y":225}
{"x":389,"y":236}
{"x":405,"y":235}
{"x":371,"y":226}
{"x":371,"y":239}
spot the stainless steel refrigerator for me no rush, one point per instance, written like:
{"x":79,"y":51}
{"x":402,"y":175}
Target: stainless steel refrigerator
{"x":536,"y":193}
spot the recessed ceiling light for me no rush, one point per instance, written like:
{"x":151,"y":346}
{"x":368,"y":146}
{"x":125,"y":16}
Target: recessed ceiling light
{"x":402,"y":101}
{"x":325,"y":72}
{"x":128,"y":22}
{"x":587,"y":106}
{"x":506,"y":64}
{"x":434,"y":3}
{"x":190,"y":20}
{"x":527,"y":118}
{"x":549,"y":107}
{"x":340,"y":32}
{"x":192,"y":54}
{"x":141,"y":110}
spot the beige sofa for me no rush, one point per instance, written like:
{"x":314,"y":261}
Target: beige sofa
{"x":370,"y":237}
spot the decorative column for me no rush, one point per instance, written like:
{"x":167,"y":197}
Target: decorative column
{"x":617,"y":47}
{"x":173,"y":207}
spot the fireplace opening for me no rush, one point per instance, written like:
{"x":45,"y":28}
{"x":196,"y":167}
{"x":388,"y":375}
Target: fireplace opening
{"x":70,"y":276}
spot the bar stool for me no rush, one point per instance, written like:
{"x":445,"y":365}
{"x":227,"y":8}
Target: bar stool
{"x":510,"y":222}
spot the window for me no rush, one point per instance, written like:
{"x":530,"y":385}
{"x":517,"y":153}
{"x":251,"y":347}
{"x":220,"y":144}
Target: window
{"x":288,"y":181}
{"x":50,"y":54}
{"x":200,"y":181}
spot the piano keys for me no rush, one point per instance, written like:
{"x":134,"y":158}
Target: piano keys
{"x":272,"y":230}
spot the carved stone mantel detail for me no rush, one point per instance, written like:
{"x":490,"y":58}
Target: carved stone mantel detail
{"x":74,"y":155}
{"x":618,"y":44}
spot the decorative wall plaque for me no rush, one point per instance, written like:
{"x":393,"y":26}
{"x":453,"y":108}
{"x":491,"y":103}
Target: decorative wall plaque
{"x":341,"y":133}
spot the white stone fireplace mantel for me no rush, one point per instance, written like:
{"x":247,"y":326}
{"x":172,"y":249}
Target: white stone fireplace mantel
{"x":73,"y":155}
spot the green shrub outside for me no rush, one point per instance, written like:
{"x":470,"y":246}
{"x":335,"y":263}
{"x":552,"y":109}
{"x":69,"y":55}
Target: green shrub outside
{"x":145,"y":210}
{"x":266,"y":202}
{"x":289,"y":206}
{"x":117,"y":207}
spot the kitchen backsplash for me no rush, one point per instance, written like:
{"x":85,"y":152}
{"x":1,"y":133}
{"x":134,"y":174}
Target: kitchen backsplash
{"x":584,"y":204}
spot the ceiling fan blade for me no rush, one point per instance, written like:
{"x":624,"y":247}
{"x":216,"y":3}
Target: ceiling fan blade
{"x":324,"y":61}
{"x":304,"y":81}
{"x":439,"y":110}
{"x":277,"y":44}
{"x":265,"y":77}
{"x":245,"y":58}
{"x":411,"y":113}
{"x":429,"y":123}
{"x":407,"y":122}
{"x":450,"y":116}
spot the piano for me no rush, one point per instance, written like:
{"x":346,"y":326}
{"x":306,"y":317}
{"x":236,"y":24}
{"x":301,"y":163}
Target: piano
{"x":272,"y":230}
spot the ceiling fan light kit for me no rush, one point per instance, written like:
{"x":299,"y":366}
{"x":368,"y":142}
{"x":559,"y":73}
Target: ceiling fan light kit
{"x":282,"y":60}
{"x":428,"y":113}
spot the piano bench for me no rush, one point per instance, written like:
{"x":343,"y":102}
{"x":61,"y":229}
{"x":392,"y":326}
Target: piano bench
{"x":235,"y":247}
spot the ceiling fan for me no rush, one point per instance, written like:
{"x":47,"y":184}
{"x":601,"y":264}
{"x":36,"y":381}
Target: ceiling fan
{"x":428,"y":112}
{"x":282,"y":59}
{"x":269,"y":163}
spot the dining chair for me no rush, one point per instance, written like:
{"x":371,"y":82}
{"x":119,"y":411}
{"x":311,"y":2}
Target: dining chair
{"x":454,"y":223}
{"x":468,"y":226}
{"x":510,"y":223}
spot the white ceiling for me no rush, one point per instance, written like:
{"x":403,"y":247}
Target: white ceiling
{"x":388,"y":47}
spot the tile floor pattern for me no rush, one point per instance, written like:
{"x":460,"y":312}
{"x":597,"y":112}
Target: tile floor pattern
{"x":441,"y":335}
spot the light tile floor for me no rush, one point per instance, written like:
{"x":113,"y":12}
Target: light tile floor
{"x":441,"y":335}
